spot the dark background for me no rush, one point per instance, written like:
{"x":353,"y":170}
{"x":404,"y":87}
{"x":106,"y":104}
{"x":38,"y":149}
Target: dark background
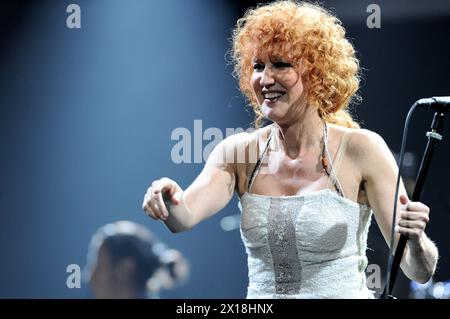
{"x":86,"y":117}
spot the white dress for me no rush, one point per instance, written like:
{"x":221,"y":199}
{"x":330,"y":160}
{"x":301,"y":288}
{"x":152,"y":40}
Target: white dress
{"x":305,"y":246}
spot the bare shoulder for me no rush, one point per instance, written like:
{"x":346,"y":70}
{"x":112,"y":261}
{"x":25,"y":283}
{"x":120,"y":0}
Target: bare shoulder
{"x":364,"y":147}
{"x":370,"y":152}
{"x":238,"y":153}
{"x":238,"y":148}
{"x":247,"y":137}
{"x":365,"y":144}
{"x":242,"y":141}
{"x":358,"y":138}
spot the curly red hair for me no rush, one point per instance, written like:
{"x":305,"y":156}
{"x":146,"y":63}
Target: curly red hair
{"x":311,"y":37}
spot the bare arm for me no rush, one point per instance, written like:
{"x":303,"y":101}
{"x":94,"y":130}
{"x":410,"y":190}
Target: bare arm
{"x":379,"y":172}
{"x":209,"y":193}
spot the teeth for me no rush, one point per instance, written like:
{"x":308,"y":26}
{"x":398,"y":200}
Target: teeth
{"x":272,"y":95}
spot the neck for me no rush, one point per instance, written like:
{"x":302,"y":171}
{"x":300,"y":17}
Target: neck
{"x":304,"y":133}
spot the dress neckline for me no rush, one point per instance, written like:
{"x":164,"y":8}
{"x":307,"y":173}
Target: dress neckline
{"x":332,"y":175}
{"x":309,"y":194}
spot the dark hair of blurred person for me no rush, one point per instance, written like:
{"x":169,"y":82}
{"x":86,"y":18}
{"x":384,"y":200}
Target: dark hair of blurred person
{"x":125,"y":260}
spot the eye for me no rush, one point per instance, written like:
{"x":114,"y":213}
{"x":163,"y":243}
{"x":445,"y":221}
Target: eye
{"x":282,"y":65}
{"x":258,"y":67}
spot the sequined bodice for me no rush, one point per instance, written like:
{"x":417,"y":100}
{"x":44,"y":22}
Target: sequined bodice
{"x":310,"y":246}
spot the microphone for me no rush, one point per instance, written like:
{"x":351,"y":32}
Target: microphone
{"x":437,"y":103}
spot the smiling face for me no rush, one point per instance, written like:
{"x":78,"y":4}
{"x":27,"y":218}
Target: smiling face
{"x":278,"y":88}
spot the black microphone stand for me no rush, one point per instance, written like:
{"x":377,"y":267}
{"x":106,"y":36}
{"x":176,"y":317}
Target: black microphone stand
{"x":434,"y":137}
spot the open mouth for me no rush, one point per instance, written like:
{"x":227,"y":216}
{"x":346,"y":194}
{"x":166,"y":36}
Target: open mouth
{"x":272,"y":96}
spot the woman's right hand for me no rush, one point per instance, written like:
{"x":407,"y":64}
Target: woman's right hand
{"x":162,"y":191}
{"x":211,"y":191}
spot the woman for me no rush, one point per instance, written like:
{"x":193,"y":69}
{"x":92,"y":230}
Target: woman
{"x":308,"y":200}
{"x":126,"y":261}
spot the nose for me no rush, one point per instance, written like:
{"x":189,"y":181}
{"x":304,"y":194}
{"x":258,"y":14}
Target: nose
{"x":267,"y":77}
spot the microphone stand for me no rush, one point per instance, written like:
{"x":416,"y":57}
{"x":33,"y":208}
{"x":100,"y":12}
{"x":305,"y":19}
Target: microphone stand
{"x":434,"y":137}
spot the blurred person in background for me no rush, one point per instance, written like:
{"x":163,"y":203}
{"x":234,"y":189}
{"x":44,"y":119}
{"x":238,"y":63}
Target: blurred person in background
{"x":126,"y":261}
